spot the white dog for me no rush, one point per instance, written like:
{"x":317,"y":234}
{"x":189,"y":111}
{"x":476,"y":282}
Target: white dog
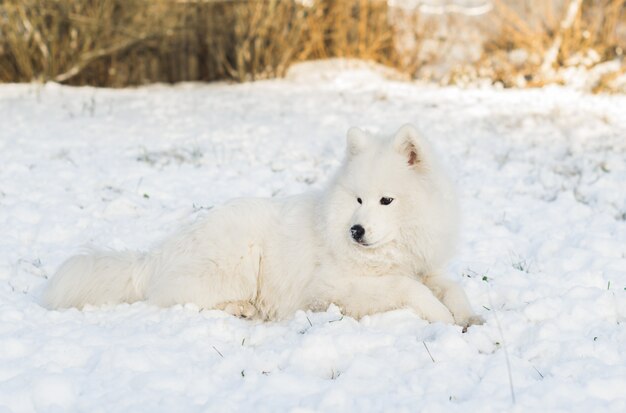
{"x":377,"y":238}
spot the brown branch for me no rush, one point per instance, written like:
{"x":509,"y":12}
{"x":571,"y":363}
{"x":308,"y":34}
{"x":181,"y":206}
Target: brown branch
{"x":89,"y":58}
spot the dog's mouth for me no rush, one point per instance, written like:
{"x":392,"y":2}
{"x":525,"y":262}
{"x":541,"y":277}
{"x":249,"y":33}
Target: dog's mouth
{"x":371,"y":245}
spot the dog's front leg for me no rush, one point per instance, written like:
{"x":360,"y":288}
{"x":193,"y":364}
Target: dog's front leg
{"x":363,"y":295}
{"x":453,"y":296}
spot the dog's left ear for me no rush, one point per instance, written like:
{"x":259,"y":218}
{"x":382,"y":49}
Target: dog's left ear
{"x":357,"y":140}
{"x":407,"y":141}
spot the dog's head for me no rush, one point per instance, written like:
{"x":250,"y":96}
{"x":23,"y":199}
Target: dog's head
{"x":389,"y":195}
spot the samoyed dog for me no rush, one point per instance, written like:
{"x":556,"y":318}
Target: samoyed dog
{"x":376,"y":239}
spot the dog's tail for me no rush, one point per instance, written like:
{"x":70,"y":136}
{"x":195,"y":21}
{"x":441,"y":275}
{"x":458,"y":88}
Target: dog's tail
{"x":99,"y":277}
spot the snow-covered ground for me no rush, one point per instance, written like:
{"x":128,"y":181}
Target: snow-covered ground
{"x":542,"y":174}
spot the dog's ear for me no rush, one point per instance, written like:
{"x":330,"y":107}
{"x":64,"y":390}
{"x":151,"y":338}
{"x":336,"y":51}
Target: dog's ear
{"x":407,"y":141}
{"x":357,"y":140}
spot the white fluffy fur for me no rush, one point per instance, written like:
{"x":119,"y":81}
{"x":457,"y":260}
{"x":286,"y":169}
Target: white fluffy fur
{"x":267,"y":258}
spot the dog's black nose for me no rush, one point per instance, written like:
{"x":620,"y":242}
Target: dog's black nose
{"x":357,"y":232}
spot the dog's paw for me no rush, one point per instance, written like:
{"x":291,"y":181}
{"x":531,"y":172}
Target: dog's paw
{"x":441,"y":315}
{"x":243,"y":309}
{"x":473,"y":320}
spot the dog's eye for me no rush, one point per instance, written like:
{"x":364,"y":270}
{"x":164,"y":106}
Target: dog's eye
{"x":359,"y":200}
{"x":385,"y":201}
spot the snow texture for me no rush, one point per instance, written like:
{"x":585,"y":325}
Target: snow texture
{"x":542,"y":176}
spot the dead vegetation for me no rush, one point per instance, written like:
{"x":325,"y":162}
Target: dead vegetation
{"x":130,"y":42}
{"x":536,"y":42}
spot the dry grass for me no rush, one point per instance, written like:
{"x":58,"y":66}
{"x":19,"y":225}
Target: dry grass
{"x":532,"y":41}
{"x":129,"y":42}
{"x":74,"y":41}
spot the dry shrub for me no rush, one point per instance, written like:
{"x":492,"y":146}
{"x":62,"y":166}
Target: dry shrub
{"x":349,"y":29}
{"x":57,"y":40}
{"x":129,"y":42}
{"x":531,"y":42}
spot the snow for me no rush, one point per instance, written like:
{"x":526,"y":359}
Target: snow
{"x":543,"y":257}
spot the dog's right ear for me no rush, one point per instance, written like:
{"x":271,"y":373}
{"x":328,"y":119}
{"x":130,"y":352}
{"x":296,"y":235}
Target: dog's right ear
{"x":357,"y":140}
{"x":407,"y":141}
